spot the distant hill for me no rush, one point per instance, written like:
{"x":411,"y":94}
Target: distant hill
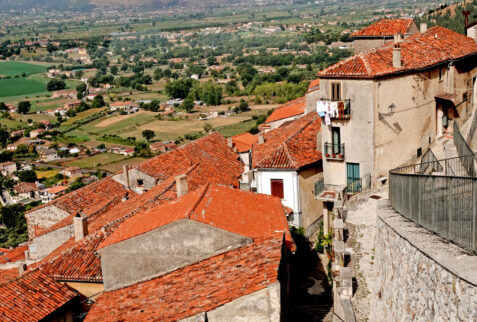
{"x":91,"y":4}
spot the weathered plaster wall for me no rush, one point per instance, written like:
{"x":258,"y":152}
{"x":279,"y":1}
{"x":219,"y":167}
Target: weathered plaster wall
{"x":312,"y":208}
{"x":44,"y":218}
{"x":420,"y":277}
{"x":43,"y":245}
{"x":90,"y":290}
{"x":356,"y":133}
{"x":260,"y":306}
{"x":361,"y":45}
{"x":148,"y":182}
{"x":162,"y":250}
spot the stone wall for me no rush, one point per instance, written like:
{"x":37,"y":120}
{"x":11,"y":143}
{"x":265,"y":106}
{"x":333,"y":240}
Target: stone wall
{"x":260,"y":306}
{"x":43,"y":217}
{"x":419,"y":276}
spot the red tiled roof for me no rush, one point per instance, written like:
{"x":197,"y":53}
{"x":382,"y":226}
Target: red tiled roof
{"x":32,"y":297}
{"x":314,"y":85}
{"x":435,"y":46}
{"x":25,"y":187}
{"x":240,"y":212}
{"x":14,"y":255}
{"x":89,"y":197}
{"x":289,"y":109}
{"x":385,"y":28}
{"x":211,"y":150}
{"x":57,"y":189}
{"x":79,"y":263}
{"x":290,"y":146}
{"x":243,"y":142}
{"x":7,"y":275}
{"x":196,"y":288}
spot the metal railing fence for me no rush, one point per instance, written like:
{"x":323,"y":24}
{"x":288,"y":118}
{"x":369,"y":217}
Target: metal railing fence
{"x":445,"y":204}
{"x":430,"y":162}
{"x":359,"y":185}
{"x":463,"y":149}
{"x":333,"y":150}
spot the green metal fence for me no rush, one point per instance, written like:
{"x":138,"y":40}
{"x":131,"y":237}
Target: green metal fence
{"x":445,"y":204}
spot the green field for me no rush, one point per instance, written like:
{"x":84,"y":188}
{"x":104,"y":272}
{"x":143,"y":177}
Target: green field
{"x":15,"y":68}
{"x":22,"y":86}
{"x":19,"y":88}
{"x":234,"y":129}
{"x":97,"y":160}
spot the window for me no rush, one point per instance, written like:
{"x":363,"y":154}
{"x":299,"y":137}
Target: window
{"x":336,"y":91}
{"x":441,"y":74}
{"x":277,"y":187}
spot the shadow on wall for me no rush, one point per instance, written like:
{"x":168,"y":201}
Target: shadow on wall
{"x":310,"y":291}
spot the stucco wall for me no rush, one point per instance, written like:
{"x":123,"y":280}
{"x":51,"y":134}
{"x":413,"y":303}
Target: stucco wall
{"x":135,"y":175}
{"x":367,"y":44}
{"x":44,"y":218}
{"x":356,"y":133}
{"x":90,"y":290}
{"x":420,"y":277}
{"x":312,"y":209}
{"x":162,"y":250}
{"x":260,"y":306}
{"x":45,"y":244}
{"x":291,"y":191}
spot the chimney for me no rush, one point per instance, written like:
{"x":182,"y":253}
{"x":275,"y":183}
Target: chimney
{"x":22,"y":268}
{"x":261,"y":140}
{"x":230,"y":142}
{"x":126,"y":176}
{"x":397,"y":62}
{"x":80,"y":225}
{"x":423,"y":27}
{"x":397,"y":38}
{"x":181,"y":185}
{"x":27,"y":255}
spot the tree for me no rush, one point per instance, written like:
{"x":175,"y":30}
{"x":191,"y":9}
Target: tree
{"x":208,"y":127}
{"x":179,"y":88}
{"x":24,"y":107}
{"x":4,"y":136}
{"x":27,"y":176}
{"x":114,"y":69}
{"x":55,"y":84}
{"x":3,"y":106}
{"x":98,"y":101}
{"x":188,"y":104}
{"x":243,"y":106}
{"x":148,"y":134}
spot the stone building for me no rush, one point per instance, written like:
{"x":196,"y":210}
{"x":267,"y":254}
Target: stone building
{"x":8,"y":168}
{"x":211,"y":152}
{"x":397,"y":99}
{"x":382,"y":32}
{"x":233,"y":268}
{"x":287,"y":162}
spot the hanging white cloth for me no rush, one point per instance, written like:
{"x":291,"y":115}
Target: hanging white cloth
{"x":327,"y":120}
{"x":334,"y":109}
{"x":322,"y":108}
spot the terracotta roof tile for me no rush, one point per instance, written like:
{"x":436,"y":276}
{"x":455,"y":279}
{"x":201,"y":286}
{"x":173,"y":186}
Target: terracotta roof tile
{"x":7,"y":275}
{"x":197,"y":288}
{"x":314,"y":85}
{"x":212,"y":150}
{"x":289,"y":109}
{"x":243,"y":142}
{"x":25,"y":187}
{"x":385,"y":28}
{"x":32,"y":297}
{"x":79,"y":263}
{"x":240,"y":212}
{"x":435,"y":46}
{"x":291,"y":146}
{"x":14,"y":255}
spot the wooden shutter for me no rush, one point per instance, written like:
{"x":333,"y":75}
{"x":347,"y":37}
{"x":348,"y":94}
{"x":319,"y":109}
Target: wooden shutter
{"x":277,"y":188}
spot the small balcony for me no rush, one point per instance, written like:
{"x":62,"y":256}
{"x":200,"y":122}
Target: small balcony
{"x":334,"y":151}
{"x":336,"y":109}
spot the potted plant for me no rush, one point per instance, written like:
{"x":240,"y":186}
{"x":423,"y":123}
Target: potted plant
{"x":327,"y":155}
{"x":326,"y":243}
{"x":341,"y":156}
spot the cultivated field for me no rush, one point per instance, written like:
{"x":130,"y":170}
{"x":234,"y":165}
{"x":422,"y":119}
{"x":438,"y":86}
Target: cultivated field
{"x":97,"y":160}
{"x":15,"y":68}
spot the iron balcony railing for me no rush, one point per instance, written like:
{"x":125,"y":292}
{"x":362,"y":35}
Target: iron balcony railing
{"x":444,"y":203}
{"x":359,"y":185}
{"x":344,"y":108}
{"x":334,"y":151}
{"x":319,"y":186}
